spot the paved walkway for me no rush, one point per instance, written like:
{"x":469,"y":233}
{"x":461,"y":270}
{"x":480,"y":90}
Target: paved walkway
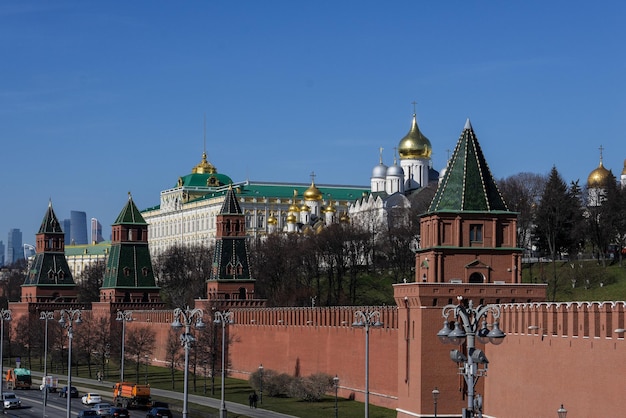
{"x":231,"y":407}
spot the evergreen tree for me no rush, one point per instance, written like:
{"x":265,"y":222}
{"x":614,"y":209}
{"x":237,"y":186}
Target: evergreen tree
{"x":557,"y":222}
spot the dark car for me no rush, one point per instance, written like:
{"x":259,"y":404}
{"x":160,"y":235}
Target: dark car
{"x":116,"y":412}
{"x":87,"y":413}
{"x":159,"y":412}
{"x":73,"y":392}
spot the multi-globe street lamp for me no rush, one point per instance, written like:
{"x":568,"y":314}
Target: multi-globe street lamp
{"x":73,"y":316}
{"x":466,"y":320}
{"x":5,"y":315}
{"x":45,"y":316}
{"x":185,"y":318}
{"x":367,"y":320}
{"x":223,"y":319}
{"x":336,"y":384}
{"x":124,"y":316}
{"x":435,"y":397}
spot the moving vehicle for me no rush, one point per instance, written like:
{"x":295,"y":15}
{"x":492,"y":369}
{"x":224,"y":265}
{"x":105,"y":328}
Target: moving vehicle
{"x":11,"y":401}
{"x":159,"y":412}
{"x":87,"y":413}
{"x":131,"y":395}
{"x":116,"y":412}
{"x":73,"y":392}
{"x":102,"y":408}
{"x":19,"y":378}
{"x":91,"y":398}
{"x":51,"y":382}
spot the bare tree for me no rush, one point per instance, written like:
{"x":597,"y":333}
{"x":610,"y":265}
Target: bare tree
{"x":173,"y":354}
{"x":90,"y":281}
{"x":182,"y":271}
{"x":141,"y":342}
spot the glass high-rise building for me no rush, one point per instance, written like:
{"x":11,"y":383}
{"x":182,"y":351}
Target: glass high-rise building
{"x":67,"y":227}
{"x":78,"y":228}
{"x":96,"y":231}
{"x":1,"y":253}
{"x":14,"y":246}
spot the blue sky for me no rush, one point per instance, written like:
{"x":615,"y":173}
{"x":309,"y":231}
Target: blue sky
{"x":101,"y":98}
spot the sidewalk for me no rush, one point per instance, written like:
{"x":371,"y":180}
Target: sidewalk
{"x":231,"y":407}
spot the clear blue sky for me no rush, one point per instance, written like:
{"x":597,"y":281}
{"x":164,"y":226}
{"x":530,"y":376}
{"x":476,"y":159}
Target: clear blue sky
{"x":99,"y":98}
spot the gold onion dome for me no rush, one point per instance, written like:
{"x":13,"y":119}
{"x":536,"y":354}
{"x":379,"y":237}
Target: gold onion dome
{"x":624,"y":169}
{"x":312,"y":193}
{"x":344,"y":218}
{"x":305,"y":208}
{"x":330,"y":208}
{"x":204,"y":167}
{"x":272,"y":220}
{"x":291,"y":219}
{"x":414,"y":144}
{"x":599,"y":177}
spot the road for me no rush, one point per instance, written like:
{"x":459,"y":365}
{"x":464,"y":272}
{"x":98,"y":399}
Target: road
{"x":32,"y":402}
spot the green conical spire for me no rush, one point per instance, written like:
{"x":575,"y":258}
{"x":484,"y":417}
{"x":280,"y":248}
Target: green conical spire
{"x":467,"y":184}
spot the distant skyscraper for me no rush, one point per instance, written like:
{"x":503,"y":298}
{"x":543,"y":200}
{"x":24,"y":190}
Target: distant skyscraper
{"x":78,"y":228}
{"x":96,"y":231}
{"x":14,"y":246}
{"x":67,"y":228}
{"x":1,"y":254}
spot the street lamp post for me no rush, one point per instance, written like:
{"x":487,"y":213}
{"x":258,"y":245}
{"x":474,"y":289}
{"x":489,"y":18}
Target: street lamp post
{"x":5,"y":315}
{"x":45,"y":316}
{"x":261,"y":383}
{"x":223,"y":319}
{"x":336,"y":384}
{"x":147,"y":357}
{"x":435,"y":397}
{"x":185,"y":318}
{"x":124,"y":316}
{"x":72,"y":315}
{"x":469,"y":319}
{"x":367,"y":320}
{"x":562,"y":412}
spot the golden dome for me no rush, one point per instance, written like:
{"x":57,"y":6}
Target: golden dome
{"x":414,"y":144}
{"x":272,"y":220}
{"x":305,"y":208}
{"x":312,"y":193}
{"x":598,"y":177}
{"x":344,"y":218}
{"x":330,"y":208}
{"x":204,"y":167}
{"x":291,"y":219}
{"x":624,"y":169}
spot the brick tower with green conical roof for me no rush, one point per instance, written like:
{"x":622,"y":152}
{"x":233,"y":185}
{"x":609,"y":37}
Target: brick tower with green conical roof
{"x":230,"y":272}
{"x":49,"y":276}
{"x":129,"y":277}
{"x":468,"y":234}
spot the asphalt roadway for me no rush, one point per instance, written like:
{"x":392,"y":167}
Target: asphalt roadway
{"x":236,"y":409}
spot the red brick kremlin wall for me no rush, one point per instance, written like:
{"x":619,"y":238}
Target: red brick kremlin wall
{"x":579,"y":362}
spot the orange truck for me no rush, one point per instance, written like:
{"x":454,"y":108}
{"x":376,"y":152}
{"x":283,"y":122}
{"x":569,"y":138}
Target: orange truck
{"x":19,"y":378}
{"x":131,"y":395}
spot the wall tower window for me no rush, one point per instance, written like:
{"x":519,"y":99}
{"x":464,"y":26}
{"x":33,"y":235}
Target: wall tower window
{"x":476,"y":233}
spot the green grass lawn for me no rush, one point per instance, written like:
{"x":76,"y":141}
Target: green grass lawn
{"x":236,"y":391}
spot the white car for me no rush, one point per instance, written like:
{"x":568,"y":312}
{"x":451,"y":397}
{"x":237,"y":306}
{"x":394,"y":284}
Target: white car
{"x":11,"y":400}
{"x":91,"y":399}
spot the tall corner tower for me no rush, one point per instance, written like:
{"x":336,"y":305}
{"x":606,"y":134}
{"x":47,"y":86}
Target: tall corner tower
{"x":49,"y":277}
{"x":230,"y":273}
{"x":129,"y":276}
